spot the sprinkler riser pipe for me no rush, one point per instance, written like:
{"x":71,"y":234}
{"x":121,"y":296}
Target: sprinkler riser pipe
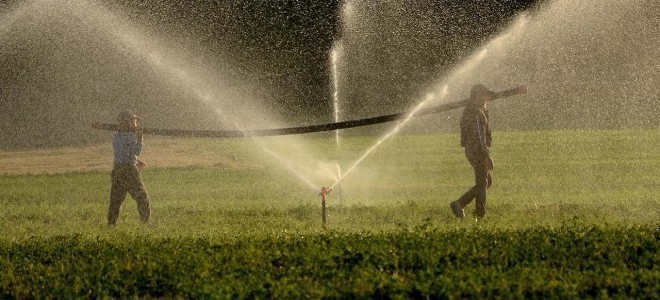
{"x":324,"y":193}
{"x":324,"y":214}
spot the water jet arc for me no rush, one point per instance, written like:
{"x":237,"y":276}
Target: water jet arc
{"x":302,"y":129}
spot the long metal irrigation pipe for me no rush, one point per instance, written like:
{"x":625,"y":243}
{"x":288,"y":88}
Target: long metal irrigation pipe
{"x":301,"y":129}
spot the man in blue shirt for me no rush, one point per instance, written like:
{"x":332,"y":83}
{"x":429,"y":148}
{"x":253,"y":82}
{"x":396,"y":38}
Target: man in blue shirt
{"x":127,"y":146}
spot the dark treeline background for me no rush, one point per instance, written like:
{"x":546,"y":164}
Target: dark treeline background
{"x":286,"y":44}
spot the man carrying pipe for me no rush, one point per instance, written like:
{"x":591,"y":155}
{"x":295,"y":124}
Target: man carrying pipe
{"x":126,"y":179}
{"x":476,"y":139}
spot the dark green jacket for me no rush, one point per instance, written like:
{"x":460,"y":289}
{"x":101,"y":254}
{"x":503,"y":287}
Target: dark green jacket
{"x":475,"y":130}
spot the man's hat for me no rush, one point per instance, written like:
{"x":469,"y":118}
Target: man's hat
{"x":479,"y":89}
{"x":126,"y":115}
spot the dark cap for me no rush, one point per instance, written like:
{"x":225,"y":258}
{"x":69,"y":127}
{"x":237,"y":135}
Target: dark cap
{"x":126,"y":115}
{"x":479,"y":89}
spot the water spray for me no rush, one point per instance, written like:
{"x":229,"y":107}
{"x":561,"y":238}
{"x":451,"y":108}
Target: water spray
{"x":334,"y":60}
{"x":324,"y":193}
{"x":340,"y":191}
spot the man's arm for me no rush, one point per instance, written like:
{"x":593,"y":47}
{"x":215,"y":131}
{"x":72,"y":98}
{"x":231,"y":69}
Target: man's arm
{"x":137,"y":145}
{"x":481,"y":131}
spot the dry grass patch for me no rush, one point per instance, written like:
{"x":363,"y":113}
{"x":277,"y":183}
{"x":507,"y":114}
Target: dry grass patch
{"x":158,"y":153}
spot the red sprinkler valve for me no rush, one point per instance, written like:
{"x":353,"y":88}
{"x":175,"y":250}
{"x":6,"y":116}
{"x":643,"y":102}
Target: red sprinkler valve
{"x":324,"y":192}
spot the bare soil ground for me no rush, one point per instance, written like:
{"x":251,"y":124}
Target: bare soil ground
{"x":159,"y":153}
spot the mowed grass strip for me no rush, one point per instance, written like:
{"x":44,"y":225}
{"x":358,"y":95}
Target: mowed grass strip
{"x":541,"y":178}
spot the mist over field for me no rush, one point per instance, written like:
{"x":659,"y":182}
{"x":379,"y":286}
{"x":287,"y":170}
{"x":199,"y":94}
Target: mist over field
{"x":244,"y":64}
{"x":241,"y":65}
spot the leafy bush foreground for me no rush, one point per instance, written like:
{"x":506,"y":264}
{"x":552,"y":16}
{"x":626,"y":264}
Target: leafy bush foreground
{"x":571,"y":261}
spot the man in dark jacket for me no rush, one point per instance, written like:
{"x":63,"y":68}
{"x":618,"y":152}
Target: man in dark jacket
{"x":476,"y":139}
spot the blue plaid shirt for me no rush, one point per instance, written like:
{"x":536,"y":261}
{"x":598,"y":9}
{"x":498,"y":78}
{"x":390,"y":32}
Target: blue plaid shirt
{"x":127,"y":148}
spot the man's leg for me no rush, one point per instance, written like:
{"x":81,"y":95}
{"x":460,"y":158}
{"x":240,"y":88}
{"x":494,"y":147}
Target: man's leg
{"x":117,"y":196}
{"x":464,"y":200}
{"x":478,"y":166}
{"x":483,"y":181}
{"x":139,"y":193}
{"x":458,"y":205}
{"x":143,"y":206}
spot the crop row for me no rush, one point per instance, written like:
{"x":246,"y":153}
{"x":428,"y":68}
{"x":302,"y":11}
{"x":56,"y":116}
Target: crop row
{"x":571,"y":261}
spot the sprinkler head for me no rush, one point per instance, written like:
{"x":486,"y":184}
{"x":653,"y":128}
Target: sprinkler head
{"x":324,"y":191}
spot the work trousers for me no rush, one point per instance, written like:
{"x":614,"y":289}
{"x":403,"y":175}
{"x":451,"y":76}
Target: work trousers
{"x":482,"y":181}
{"x":126,"y":179}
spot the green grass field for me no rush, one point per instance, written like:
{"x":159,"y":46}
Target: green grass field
{"x":571,"y":214}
